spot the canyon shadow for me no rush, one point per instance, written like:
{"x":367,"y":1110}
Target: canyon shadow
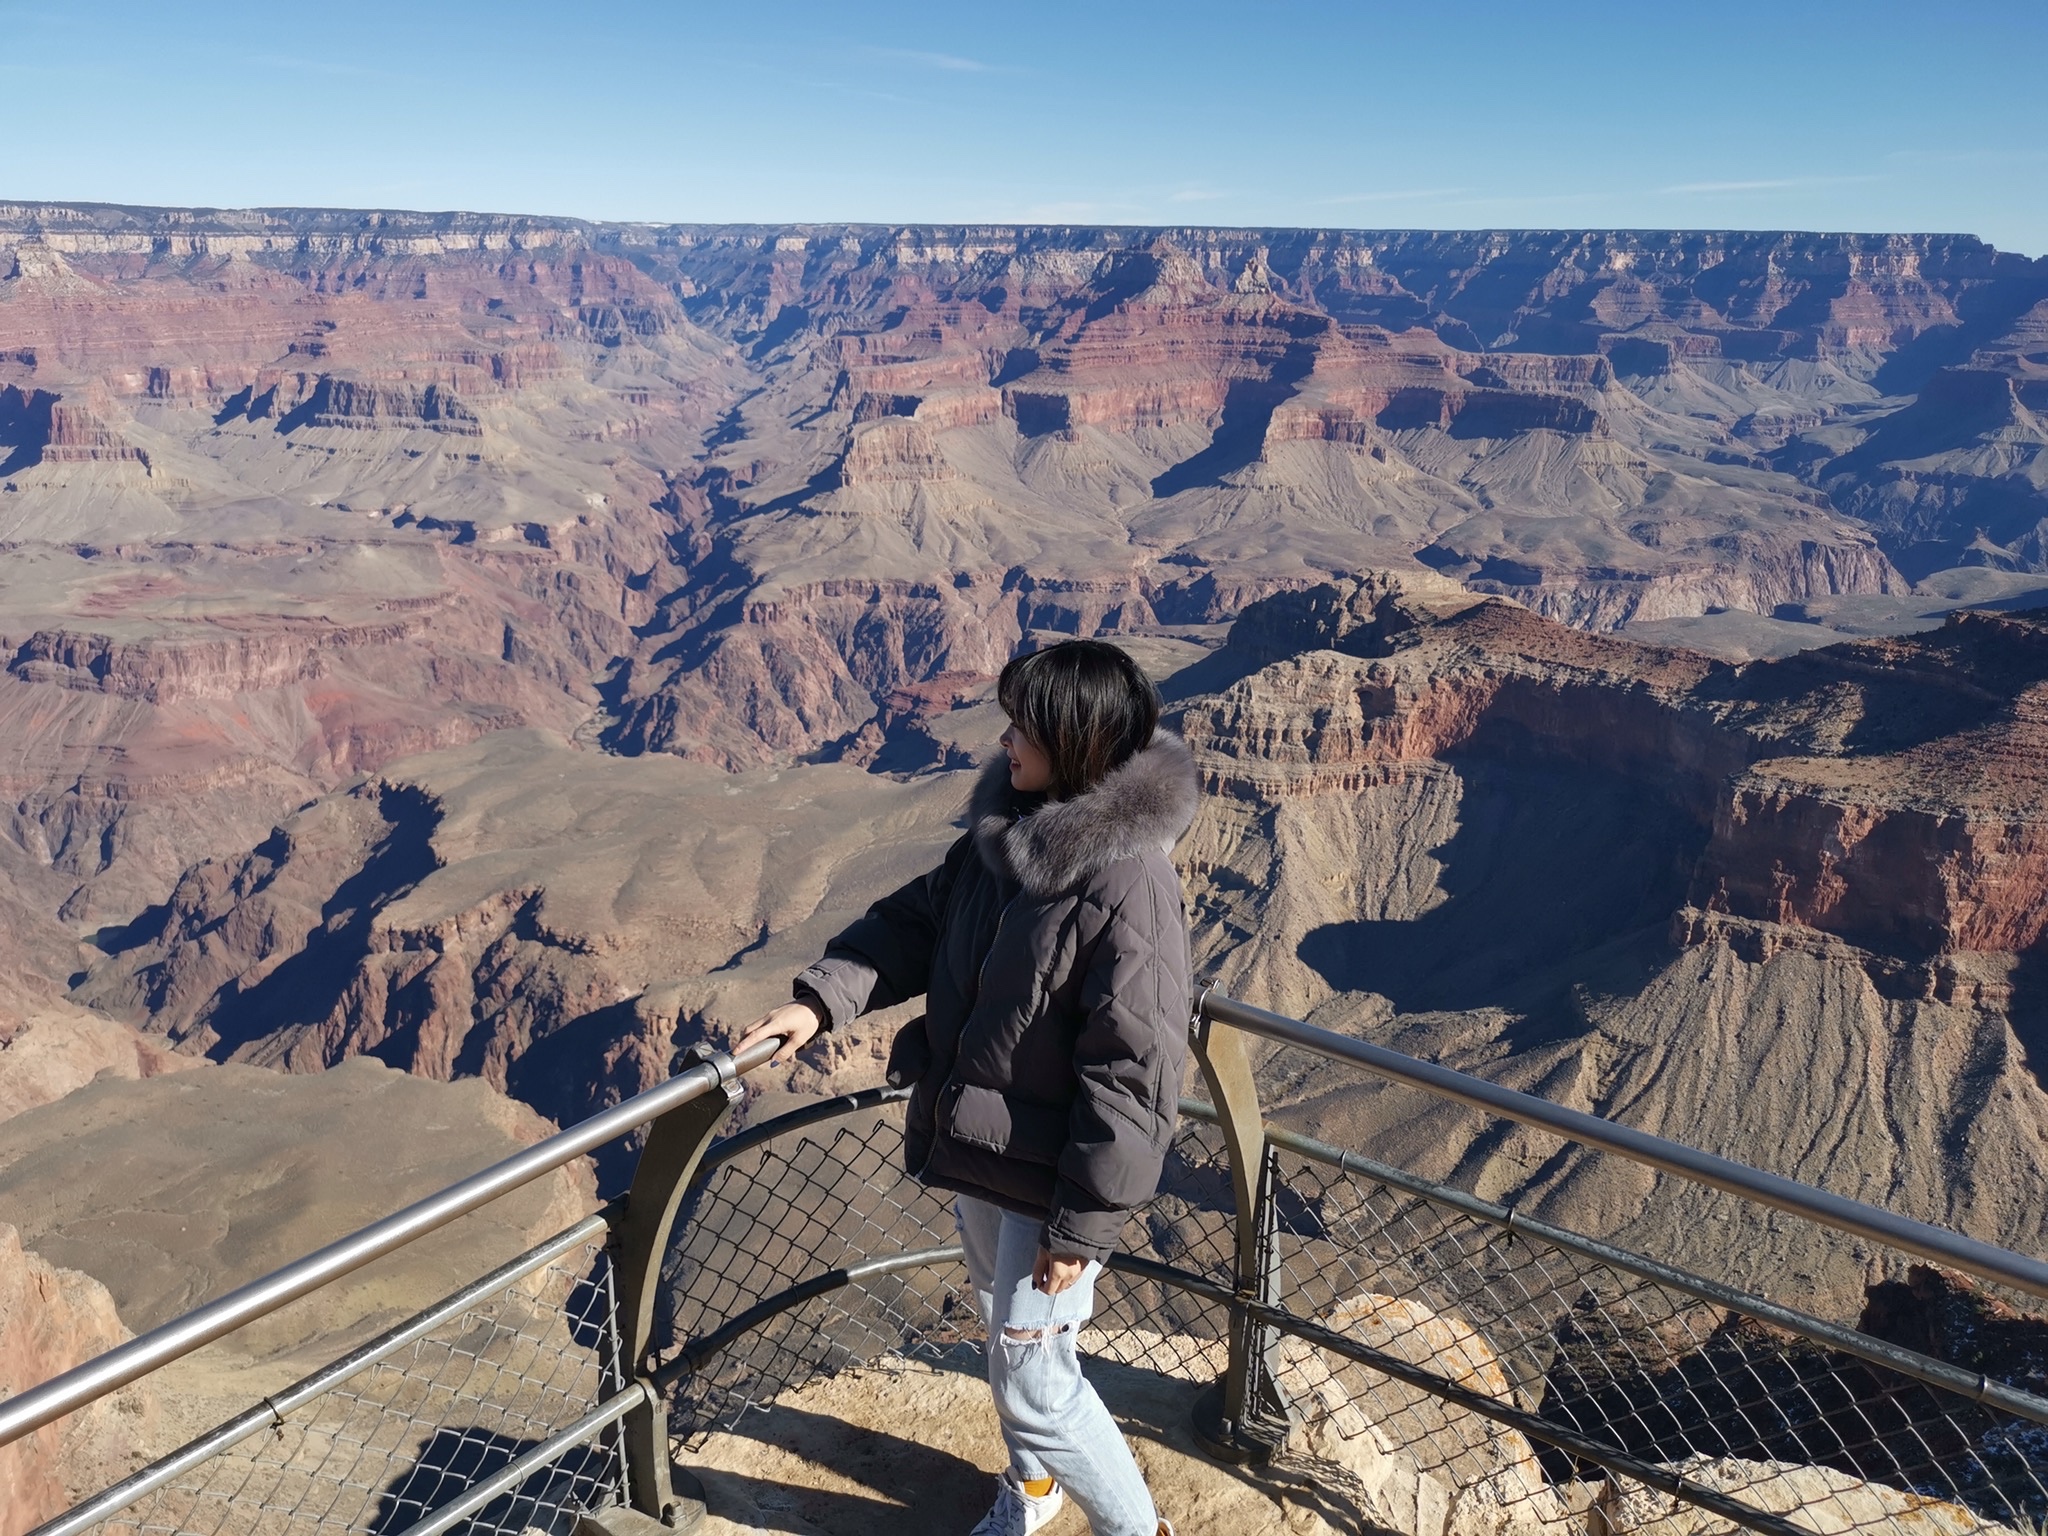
{"x":1550,"y":867}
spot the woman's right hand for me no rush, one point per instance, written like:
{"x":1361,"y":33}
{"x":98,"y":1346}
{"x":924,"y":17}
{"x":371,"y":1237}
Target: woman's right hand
{"x":795,"y":1022}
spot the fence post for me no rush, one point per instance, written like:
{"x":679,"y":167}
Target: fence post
{"x":1243,"y":1416}
{"x":676,"y":1143}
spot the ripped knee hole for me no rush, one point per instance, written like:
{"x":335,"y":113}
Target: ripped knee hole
{"x":1036,"y":1335}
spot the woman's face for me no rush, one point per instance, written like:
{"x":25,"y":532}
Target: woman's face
{"x":1030,"y":768}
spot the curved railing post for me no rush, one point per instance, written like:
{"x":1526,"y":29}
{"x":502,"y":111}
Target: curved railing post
{"x":1243,"y":1416}
{"x":676,"y":1144}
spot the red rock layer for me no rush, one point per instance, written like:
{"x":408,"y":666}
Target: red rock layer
{"x":803,"y":670}
{"x":51,"y":1320}
{"x":1893,"y":793}
{"x":1940,"y":845}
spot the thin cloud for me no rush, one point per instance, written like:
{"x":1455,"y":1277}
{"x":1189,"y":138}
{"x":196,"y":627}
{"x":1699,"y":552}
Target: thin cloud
{"x":952,"y":63}
{"x":1769,"y":184}
{"x":1196,"y":195}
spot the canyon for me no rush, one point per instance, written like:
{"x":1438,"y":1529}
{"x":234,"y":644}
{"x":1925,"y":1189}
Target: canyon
{"x":505,"y":648}
{"x":1786,"y":910}
{"x":288,"y":495}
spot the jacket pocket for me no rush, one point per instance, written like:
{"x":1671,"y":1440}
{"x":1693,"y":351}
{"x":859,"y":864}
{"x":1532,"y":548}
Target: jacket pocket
{"x":984,"y":1117}
{"x":910,"y":1055}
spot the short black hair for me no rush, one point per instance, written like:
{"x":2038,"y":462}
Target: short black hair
{"x":1085,"y":705}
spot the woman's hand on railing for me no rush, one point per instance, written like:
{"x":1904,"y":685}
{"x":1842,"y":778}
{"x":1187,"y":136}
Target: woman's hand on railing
{"x":795,"y":1022}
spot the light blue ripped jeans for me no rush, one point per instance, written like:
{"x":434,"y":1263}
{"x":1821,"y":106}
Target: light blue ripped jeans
{"x":1053,"y":1422}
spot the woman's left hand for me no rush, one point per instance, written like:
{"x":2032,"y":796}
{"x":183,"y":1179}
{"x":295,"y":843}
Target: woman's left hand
{"x":1055,"y":1272}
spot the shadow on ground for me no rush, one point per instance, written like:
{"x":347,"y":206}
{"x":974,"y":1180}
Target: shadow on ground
{"x":455,"y":1459}
{"x":913,"y":1449}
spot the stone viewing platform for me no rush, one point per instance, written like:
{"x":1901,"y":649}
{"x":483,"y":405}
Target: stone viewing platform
{"x":914,"y":1444}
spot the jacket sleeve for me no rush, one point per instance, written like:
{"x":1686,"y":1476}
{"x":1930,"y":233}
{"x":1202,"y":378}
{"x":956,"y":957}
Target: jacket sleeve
{"x":885,"y":956}
{"x":1129,"y":1055}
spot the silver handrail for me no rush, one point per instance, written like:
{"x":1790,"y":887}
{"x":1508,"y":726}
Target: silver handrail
{"x":1984,"y":1260}
{"x":179,"y":1337}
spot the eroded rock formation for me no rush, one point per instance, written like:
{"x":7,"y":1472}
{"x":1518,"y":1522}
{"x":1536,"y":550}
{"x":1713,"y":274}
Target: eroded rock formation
{"x":552,"y":920}
{"x":53,"y":1046}
{"x":1432,"y":817}
{"x":52,"y":1319}
{"x":1533,"y":852}
{"x":292,"y":497}
{"x":174,"y":1190}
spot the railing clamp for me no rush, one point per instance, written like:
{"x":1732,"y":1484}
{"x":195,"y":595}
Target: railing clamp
{"x":704,"y":1054}
{"x":1198,"y":1022}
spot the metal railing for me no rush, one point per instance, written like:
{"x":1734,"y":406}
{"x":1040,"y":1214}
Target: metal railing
{"x":1437,"y":1361}
{"x":384,"y":1436}
{"x":513,"y":1403}
{"x":1978,"y":1258}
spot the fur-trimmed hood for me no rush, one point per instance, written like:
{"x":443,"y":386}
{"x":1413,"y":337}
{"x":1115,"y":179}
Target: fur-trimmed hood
{"x":1147,"y":802}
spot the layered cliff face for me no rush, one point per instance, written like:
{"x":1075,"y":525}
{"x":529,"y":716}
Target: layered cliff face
{"x":1791,"y":912}
{"x":166,"y":705}
{"x":825,"y":464}
{"x":292,"y":497}
{"x":52,"y":1319}
{"x":1208,"y":425}
{"x":1745,"y":906}
{"x":1889,"y":792}
{"x":278,"y":513}
{"x":1915,"y":819}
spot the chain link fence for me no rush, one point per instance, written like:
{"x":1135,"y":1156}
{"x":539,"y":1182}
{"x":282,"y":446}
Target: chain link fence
{"x":786,"y":1211}
{"x":767,"y":1219}
{"x":1472,"y":1372}
{"x":398,"y":1429}
{"x":1476,"y":1316}
{"x":1665,"y":1369}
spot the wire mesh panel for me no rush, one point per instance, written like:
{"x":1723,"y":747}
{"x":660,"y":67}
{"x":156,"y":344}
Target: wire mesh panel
{"x":802,"y":1205}
{"x":794,"y":1208}
{"x":1683,"y":1381}
{"x":1189,"y":1225}
{"x":1778,"y":1421}
{"x":382,"y":1450}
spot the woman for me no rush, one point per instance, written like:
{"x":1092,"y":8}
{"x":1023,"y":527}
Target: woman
{"x":1051,"y":950}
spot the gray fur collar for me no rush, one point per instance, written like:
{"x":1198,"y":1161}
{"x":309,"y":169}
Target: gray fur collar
{"x":1148,"y":802}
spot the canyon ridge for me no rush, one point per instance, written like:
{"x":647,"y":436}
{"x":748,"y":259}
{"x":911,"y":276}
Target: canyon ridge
{"x":506,"y":647}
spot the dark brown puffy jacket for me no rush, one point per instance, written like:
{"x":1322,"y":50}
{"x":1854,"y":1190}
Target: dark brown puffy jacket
{"x":1051,"y":948}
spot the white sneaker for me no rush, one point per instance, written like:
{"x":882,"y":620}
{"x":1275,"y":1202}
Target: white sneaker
{"x":1016,"y":1512}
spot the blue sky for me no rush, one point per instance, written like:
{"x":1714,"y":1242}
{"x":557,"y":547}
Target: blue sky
{"x":1872,"y":116}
